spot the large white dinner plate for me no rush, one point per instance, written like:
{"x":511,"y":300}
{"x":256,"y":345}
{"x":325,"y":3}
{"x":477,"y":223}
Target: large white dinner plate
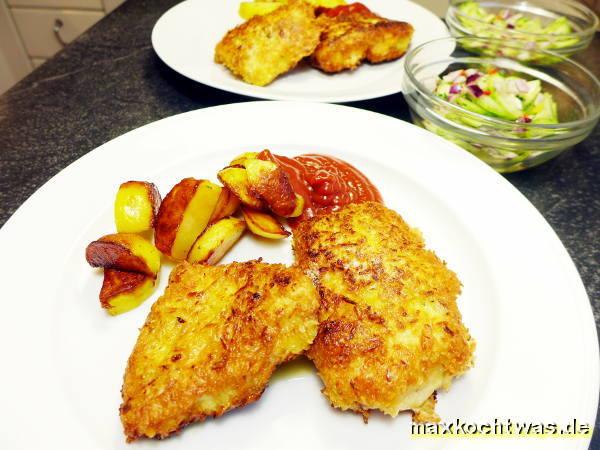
{"x":186,"y":35}
{"x":63,"y":357}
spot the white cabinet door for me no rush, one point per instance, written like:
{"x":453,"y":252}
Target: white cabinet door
{"x":36,"y":27}
{"x":110,"y":5}
{"x":14,"y":63}
{"x":76,"y":4}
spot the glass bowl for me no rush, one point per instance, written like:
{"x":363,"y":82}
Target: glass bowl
{"x":507,"y":146}
{"x":583,"y":23}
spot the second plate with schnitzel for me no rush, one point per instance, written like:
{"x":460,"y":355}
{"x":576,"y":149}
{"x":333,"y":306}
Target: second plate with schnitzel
{"x":186,"y":35}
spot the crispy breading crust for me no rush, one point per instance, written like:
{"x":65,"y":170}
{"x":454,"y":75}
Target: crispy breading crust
{"x":264,"y":47}
{"x":390,"y":332}
{"x":350,"y":39}
{"x":212,"y":341}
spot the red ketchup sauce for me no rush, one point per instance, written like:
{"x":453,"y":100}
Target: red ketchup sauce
{"x":342,"y":10}
{"x":325,"y":182}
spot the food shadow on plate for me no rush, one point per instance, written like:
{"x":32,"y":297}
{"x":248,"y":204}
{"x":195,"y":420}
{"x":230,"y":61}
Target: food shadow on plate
{"x":303,"y":66}
{"x":302,"y":367}
{"x":299,"y":367}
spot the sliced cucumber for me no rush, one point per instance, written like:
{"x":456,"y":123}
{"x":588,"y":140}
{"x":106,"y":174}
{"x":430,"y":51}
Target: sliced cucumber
{"x":559,"y":26}
{"x":545,"y":111}
{"x":535,"y":87}
{"x":472,"y":16}
{"x":469,"y":105}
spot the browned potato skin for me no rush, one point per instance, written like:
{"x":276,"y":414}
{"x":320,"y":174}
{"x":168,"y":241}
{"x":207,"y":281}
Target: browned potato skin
{"x":226,"y":206}
{"x":171,"y":213}
{"x":237,"y":182}
{"x":112,"y":255}
{"x":155,"y":199}
{"x":118,"y":282}
{"x":270,"y":182}
{"x":216,"y":240}
{"x":263,"y":224}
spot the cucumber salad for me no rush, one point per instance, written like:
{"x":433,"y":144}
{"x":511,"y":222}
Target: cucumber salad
{"x":513,"y":25}
{"x":498,"y":95}
{"x":511,"y":20}
{"x":493,"y":93}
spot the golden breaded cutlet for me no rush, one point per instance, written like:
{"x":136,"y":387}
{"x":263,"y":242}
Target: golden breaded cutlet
{"x":390,"y":331}
{"x":212,"y":341}
{"x":264,"y":47}
{"x":355,"y":34}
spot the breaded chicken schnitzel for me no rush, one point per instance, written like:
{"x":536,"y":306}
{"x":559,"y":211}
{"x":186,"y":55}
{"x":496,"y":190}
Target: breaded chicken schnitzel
{"x":264,"y":47}
{"x":353,"y":34}
{"x":212,"y":341}
{"x":390,"y":332}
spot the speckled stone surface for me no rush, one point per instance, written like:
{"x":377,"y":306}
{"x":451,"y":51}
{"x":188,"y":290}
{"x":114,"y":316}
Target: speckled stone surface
{"x":109,"y":81}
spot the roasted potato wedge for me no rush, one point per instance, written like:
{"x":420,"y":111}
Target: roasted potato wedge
{"x":239,"y":160}
{"x":235,"y":179}
{"x":122,"y":291}
{"x":250,"y":9}
{"x":136,"y":206}
{"x":226,"y":206}
{"x":183,"y":216}
{"x":326,"y":3}
{"x":299,"y":206}
{"x":125,"y":252}
{"x":216,"y":240}
{"x":269,"y":181}
{"x":263,"y":224}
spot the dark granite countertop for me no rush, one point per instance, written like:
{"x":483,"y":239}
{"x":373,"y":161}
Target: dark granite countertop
{"x":109,"y":81}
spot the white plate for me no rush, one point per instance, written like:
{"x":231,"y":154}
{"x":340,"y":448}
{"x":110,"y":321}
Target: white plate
{"x":63,"y":357}
{"x":186,"y":35}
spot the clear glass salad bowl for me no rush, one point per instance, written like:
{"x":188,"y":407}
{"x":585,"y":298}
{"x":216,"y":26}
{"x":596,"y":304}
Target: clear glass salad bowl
{"x":506,"y":145}
{"x":517,"y":20}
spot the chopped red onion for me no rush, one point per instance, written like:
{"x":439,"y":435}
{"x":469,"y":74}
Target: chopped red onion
{"x":455,"y":89}
{"x":476,"y":90}
{"x":472,"y":78}
{"x":524,"y":119}
{"x":504,"y":14}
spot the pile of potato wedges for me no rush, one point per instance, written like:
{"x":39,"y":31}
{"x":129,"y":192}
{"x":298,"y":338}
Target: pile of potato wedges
{"x":249,"y":9}
{"x":198,"y":221}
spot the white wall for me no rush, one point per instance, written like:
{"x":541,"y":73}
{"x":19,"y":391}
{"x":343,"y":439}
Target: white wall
{"x":439,"y":7}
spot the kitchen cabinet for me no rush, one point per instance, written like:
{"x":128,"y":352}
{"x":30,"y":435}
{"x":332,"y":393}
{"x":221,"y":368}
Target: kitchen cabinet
{"x":32,"y":31}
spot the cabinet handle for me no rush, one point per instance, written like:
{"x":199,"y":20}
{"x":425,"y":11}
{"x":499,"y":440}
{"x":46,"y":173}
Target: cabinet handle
{"x":58,"y":24}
